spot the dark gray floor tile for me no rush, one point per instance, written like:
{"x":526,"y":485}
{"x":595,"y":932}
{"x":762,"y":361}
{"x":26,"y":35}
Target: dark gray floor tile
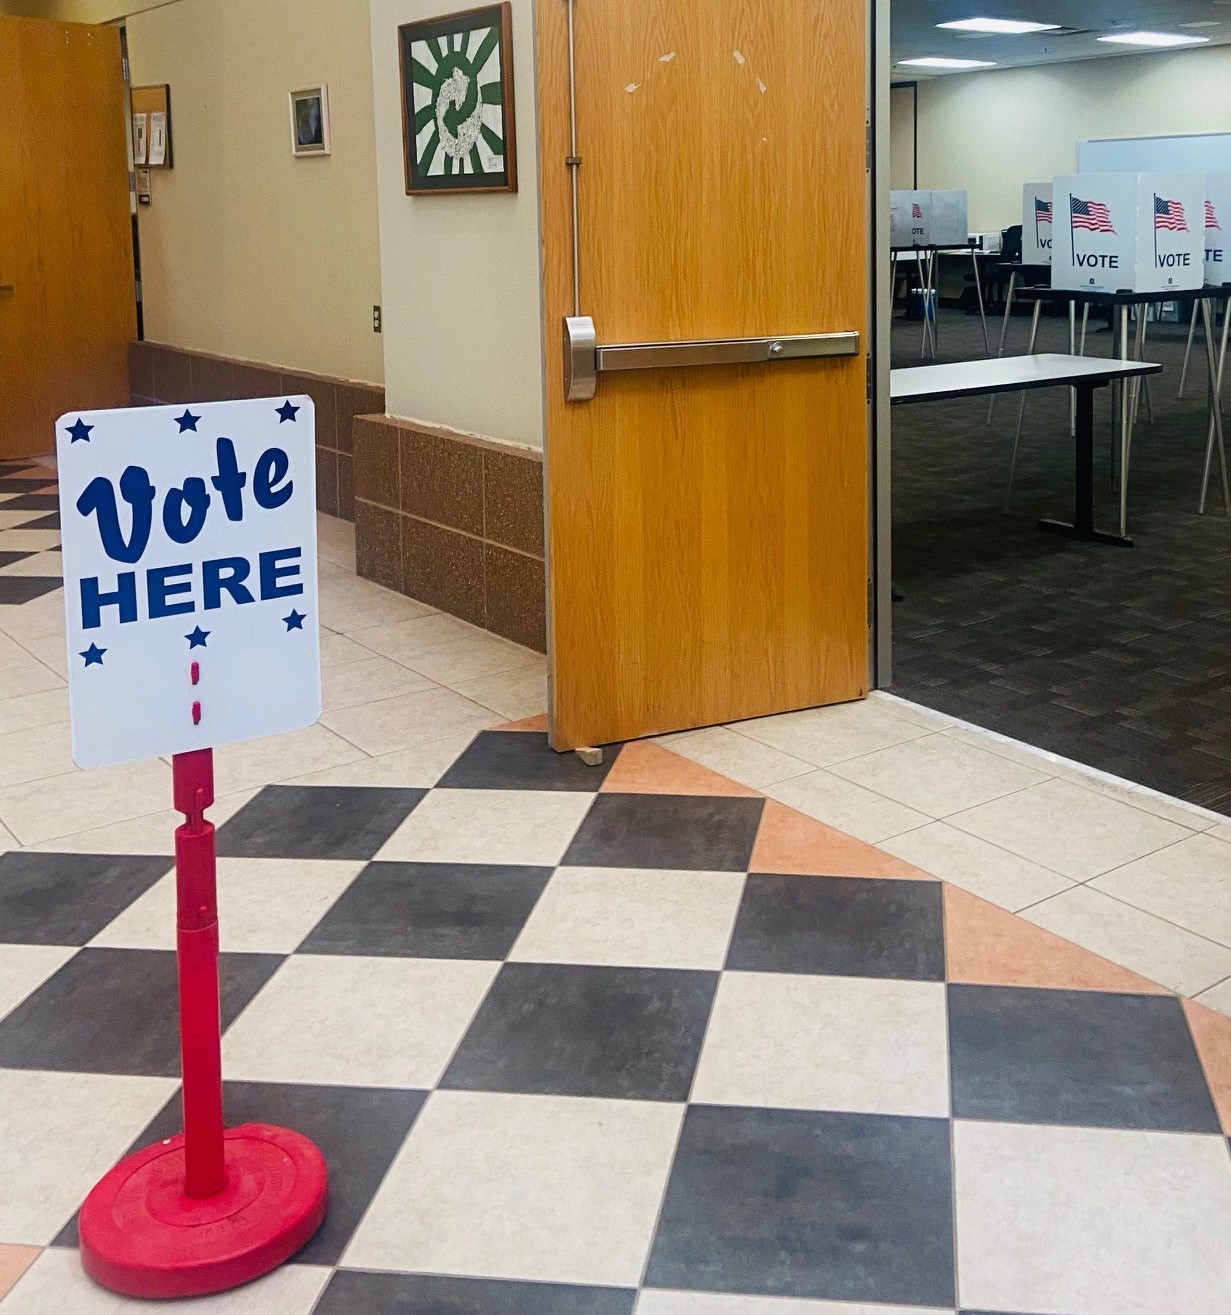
{"x":841,"y":927}
{"x":116,"y":1011}
{"x":49,"y":522}
{"x":522,"y":760}
{"x":703,"y":833}
{"x":561,"y":1029}
{"x":17,"y":589}
{"x":67,"y":899}
{"x":352,"y":1292}
{"x":1088,"y":1058}
{"x":430,"y":911}
{"x":33,"y":502}
{"x":8,"y":558}
{"x":791,"y":1203}
{"x":316,"y":821}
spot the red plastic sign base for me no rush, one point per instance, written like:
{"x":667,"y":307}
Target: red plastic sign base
{"x":142,"y":1236}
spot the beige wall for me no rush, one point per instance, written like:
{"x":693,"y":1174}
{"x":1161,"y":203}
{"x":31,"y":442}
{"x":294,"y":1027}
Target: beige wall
{"x":992,"y":132}
{"x":463,"y":343}
{"x":902,"y":138}
{"x":247,"y":251}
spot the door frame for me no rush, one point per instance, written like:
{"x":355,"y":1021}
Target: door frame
{"x":880,"y":320}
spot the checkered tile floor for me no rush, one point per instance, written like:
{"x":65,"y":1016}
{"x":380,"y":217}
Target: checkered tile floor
{"x":633,"y":1038}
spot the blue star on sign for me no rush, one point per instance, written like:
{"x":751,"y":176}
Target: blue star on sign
{"x":187,"y":421}
{"x":81,"y":434}
{"x":93,"y":656}
{"x":287,"y":412}
{"x":294,"y":621}
{"x":198,"y":637}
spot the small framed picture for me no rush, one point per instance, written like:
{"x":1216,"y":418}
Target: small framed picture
{"x":310,"y":121}
{"x":458,"y":121}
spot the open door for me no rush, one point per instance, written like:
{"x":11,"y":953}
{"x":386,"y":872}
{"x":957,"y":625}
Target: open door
{"x":67,"y":295}
{"x":707,"y":488}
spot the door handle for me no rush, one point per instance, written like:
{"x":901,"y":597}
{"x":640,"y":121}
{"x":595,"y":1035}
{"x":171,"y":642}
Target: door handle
{"x":585,"y":359}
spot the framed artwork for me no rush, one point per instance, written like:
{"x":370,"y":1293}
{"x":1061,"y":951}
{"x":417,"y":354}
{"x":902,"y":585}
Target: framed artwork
{"x":310,"y":121}
{"x":458,"y":121}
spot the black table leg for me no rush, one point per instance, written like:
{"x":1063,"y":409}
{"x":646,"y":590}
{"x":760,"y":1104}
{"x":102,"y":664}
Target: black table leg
{"x":1082,"y":526}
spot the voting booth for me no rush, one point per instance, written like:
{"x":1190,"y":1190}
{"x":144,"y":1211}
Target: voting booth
{"x":909,"y":215}
{"x":1038,"y":224}
{"x":949,"y":221}
{"x":1141,"y":232}
{"x":1218,"y":228}
{"x":190,"y":594}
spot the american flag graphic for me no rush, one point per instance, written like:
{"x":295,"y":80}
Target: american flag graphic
{"x":1169,"y":215}
{"x":1093,"y":216}
{"x":916,"y":210}
{"x":1042,"y":211}
{"x":1211,"y":216}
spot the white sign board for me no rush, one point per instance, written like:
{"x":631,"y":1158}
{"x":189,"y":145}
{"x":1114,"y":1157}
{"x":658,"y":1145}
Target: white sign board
{"x":909,"y":218}
{"x":1218,"y":228}
{"x":1129,"y":232}
{"x":949,"y":224}
{"x":189,"y":538}
{"x":1038,"y":224}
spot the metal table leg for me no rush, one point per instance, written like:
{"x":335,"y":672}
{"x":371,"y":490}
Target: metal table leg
{"x":1215,"y":395}
{"x":1073,"y":352}
{"x":1130,"y":410}
{"x":1004,"y":336}
{"x":923,"y":350}
{"x":974,"y":258}
{"x":933,"y":264}
{"x":1021,"y":406}
{"x":1188,"y":351}
{"x":1082,"y":525}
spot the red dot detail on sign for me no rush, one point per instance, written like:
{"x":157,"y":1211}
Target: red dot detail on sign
{"x":196,"y":673}
{"x":196,"y":714}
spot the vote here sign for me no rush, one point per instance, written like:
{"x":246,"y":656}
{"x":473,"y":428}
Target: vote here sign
{"x":189,"y":537}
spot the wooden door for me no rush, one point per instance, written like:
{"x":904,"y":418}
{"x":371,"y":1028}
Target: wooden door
{"x":68,"y":302}
{"x":707,"y":527}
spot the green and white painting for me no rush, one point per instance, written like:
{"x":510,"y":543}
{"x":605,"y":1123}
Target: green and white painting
{"x":457,"y":102}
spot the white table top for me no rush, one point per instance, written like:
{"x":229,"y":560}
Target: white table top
{"x":1008,"y":374}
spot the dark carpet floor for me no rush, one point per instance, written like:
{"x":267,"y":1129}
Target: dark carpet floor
{"x":1117,"y":658}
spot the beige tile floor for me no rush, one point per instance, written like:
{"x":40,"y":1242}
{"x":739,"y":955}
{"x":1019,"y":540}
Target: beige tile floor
{"x":1143,"y":879}
{"x":1140,"y":878}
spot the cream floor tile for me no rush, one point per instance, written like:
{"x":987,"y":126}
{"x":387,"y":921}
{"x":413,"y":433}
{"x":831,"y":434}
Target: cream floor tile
{"x":78,"y":801}
{"x":1222,"y":831}
{"x":659,"y":1301}
{"x":279,"y":757}
{"x":24,"y":674}
{"x":338,"y":650}
{"x":1090,"y":1220}
{"x":633,"y":917}
{"x":29,"y":541}
{"x":1188,"y":884}
{"x":409,"y":721}
{"x":822,"y":736}
{"x":849,"y":807}
{"x":24,"y":968}
{"x":977,"y":866}
{"x":1156,"y":949}
{"x":912,"y":712}
{"x":45,"y":564}
{"x":335,"y":540}
{"x":7,"y":840}
{"x":938,"y":775}
{"x":153,"y":833}
{"x":530,"y":1187}
{"x":403,"y":1020}
{"x":367,"y":681}
{"x":62,"y":1131}
{"x":266,"y":905}
{"x":56,"y":1282}
{"x":40,"y":616}
{"x":49,"y":648}
{"x":1182,"y":814}
{"x":48,"y":708}
{"x":737,"y":757}
{"x":449,"y":653}
{"x":33,"y":753}
{"x":347,"y":609}
{"x":1071,"y":830}
{"x":489,"y":826}
{"x":826,"y":1043}
{"x":420,"y":767}
{"x":514,"y":694}
{"x":11,"y":520}
{"x":1004,"y":747}
{"x":1218,"y":997}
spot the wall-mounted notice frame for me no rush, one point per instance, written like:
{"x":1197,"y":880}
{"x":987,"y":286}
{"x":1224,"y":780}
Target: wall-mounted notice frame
{"x":154,"y":105}
{"x":141,"y":137}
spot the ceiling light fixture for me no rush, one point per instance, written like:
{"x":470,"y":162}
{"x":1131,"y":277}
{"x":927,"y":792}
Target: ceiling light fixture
{"x":937,"y":62}
{"x":1007,"y":27}
{"x":1154,"y":40}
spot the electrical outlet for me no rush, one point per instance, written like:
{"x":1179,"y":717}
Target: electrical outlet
{"x":375,"y":319}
